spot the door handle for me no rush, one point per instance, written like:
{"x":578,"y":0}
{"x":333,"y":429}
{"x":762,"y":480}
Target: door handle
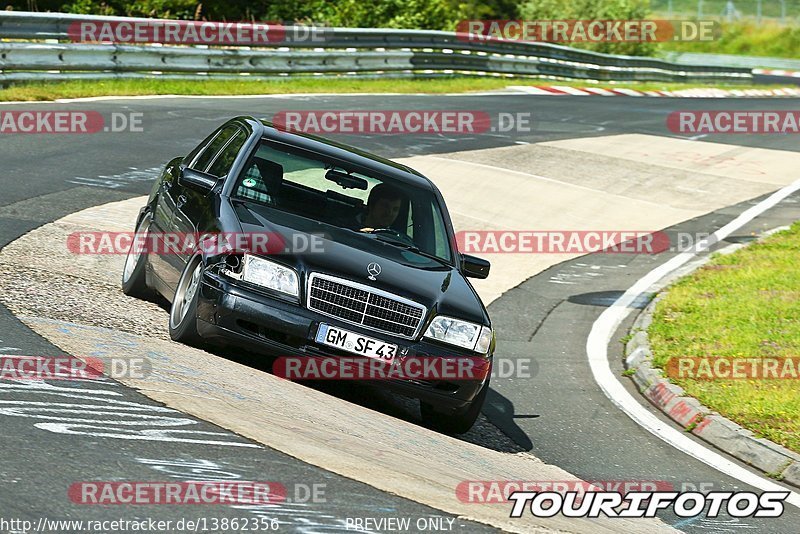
{"x":182,"y":200}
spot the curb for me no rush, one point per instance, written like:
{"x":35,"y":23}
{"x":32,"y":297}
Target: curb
{"x":778,"y":72}
{"x":700,"y":92}
{"x":774,"y":460}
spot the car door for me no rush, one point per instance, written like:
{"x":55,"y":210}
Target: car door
{"x":167,"y":264}
{"x":194,"y":208}
{"x":163,"y":213}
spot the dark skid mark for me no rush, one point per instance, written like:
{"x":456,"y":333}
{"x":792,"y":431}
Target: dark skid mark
{"x":539,"y":326}
{"x":607,"y":298}
{"x":740,"y":238}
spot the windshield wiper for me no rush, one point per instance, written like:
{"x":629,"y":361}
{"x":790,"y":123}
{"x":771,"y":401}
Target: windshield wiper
{"x":387,"y":238}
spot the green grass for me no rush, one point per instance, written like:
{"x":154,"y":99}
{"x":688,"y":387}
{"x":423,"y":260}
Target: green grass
{"x":747,"y":39}
{"x":715,"y":8}
{"x":148,"y":86}
{"x":746,"y":304}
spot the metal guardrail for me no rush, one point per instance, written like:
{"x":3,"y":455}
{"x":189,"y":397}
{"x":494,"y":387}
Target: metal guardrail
{"x":729,"y":60}
{"x":37,"y":46}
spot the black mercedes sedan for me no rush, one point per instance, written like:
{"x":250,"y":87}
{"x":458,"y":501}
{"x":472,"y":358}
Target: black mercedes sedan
{"x":345,"y":255}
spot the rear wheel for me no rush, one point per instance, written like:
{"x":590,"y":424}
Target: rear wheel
{"x":458,"y":422}
{"x":183,"y":314}
{"x":133,"y":275}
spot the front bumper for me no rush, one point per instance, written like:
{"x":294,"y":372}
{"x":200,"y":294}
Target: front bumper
{"x":234,"y":315}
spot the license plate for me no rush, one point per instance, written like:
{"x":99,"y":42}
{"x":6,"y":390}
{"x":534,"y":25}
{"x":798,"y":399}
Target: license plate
{"x":355,"y":343}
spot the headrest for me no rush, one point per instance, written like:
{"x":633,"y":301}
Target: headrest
{"x":271,"y":173}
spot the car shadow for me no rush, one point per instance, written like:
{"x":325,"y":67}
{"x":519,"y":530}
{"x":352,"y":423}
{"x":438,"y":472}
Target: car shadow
{"x":500,"y":411}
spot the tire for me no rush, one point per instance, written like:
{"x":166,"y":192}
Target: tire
{"x":134,"y":283}
{"x":183,"y":313}
{"x":458,"y":422}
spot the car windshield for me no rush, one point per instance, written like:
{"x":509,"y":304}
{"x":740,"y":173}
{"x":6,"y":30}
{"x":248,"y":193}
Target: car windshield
{"x":381,"y":208}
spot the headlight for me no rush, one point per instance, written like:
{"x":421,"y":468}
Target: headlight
{"x":270,"y":275}
{"x":462,"y":333}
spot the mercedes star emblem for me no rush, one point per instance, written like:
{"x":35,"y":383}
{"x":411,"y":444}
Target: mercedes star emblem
{"x":374,"y":270}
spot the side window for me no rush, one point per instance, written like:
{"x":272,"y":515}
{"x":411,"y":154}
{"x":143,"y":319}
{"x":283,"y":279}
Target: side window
{"x":221,"y":166}
{"x":209,"y":153}
{"x":199,"y":148}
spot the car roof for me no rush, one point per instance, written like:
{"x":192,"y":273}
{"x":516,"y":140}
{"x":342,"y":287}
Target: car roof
{"x":345,"y":153}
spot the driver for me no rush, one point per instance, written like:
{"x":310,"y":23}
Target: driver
{"x":383,"y":206}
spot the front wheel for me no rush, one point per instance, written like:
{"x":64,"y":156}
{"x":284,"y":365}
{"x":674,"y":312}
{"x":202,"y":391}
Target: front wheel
{"x":183,"y":314}
{"x":133,"y":275}
{"x":458,"y":422}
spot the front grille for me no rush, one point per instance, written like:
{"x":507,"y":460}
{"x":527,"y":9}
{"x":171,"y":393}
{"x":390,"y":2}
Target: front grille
{"x":360,"y":304}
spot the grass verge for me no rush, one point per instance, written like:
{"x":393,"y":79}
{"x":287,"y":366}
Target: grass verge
{"x":148,"y":86}
{"x":745,"y":305}
{"x":746,"y":38}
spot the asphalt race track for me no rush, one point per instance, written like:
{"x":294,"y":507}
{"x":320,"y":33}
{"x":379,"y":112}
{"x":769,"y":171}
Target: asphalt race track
{"x":559,"y":415}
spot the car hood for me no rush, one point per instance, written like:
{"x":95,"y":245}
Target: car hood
{"x":322,"y":248}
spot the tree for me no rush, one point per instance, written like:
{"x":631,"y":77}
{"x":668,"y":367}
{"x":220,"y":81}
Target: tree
{"x":594,"y":10}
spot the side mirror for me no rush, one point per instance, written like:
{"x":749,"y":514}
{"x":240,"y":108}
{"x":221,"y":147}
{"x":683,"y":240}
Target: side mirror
{"x":197,"y":180}
{"x":474,"y":267}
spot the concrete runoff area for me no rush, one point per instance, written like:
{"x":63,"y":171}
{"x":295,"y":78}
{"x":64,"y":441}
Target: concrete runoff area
{"x":629,"y":182}
{"x":75,"y":302}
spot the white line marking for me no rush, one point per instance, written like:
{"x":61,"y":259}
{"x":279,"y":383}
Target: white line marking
{"x":605,"y":326}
